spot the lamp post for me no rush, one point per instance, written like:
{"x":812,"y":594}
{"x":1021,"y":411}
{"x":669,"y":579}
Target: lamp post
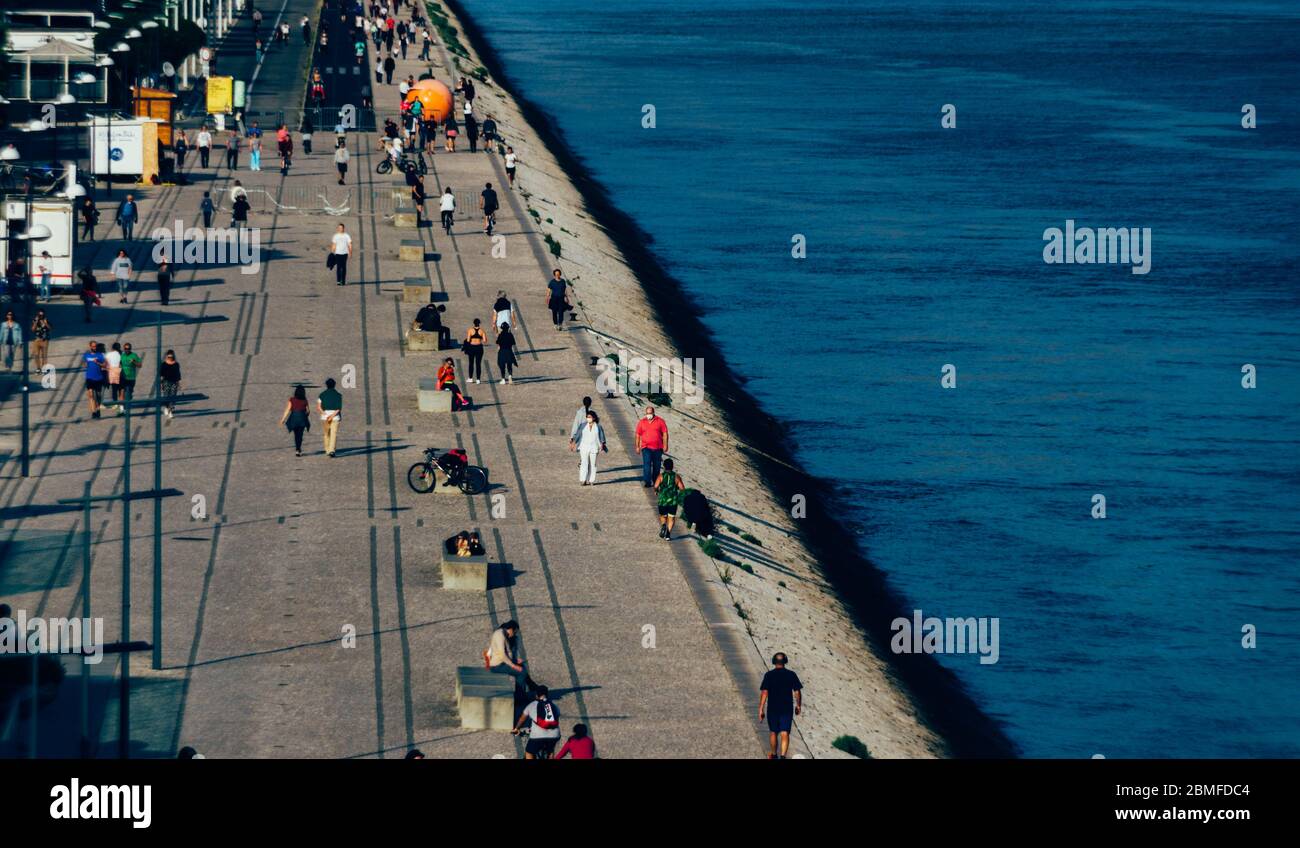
{"x":30,"y":233}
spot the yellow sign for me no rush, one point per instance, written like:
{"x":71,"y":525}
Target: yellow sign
{"x":220,"y":94}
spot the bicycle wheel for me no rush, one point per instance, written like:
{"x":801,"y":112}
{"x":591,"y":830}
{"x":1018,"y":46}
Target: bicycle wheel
{"x":384,"y":167}
{"x":422,"y":478}
{"x":475,"y":482}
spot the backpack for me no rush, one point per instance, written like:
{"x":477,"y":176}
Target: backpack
{"x":548,"y":716}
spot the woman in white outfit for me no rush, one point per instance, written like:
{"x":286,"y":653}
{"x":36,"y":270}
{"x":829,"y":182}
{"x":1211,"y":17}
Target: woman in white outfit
{"x":590,"y":442}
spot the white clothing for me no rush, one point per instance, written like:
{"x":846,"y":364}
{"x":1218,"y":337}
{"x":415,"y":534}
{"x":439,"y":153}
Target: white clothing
{"x":342,"y":243}
{"x":587,"y":466}
{"x":121,"y":268}
{"x":447,"y":203}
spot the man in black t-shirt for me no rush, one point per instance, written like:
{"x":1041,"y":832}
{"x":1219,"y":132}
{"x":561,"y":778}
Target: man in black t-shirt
{"x":488,"y":203}
{"x":429,"y":319}
{"x":781,"y":700}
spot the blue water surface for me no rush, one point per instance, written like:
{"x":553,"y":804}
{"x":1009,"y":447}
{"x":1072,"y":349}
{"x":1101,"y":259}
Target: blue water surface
{"x":1122,"y":636}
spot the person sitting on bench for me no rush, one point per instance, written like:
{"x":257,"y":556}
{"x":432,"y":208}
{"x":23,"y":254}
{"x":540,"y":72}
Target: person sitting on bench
{"x":453,"y":464}
{"x":429,"y":320}
{"x":447,"y":383}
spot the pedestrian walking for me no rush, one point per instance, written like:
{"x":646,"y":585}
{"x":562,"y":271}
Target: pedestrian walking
{"x":95,"y":366}
{"x":113,"y":359}
{"x":164,"y":282}
{"x":417,"y":196}
{"x":580,"y":745}
{"x":471,"y":132}
{"x":379,"y":71}
{"x":89,"y":218}
{"x":488,"y":202}
{"x":339,"y":253}
{"x":45,"y":270}
{"x":41,"y":332}
{"x":447,"y":207}
{"x":121,"y":269}
{"x":502,"y":311}
{"x":207,"y":208}
{"x":543,"y":717}
{"x":473,"y":350}
{"x":489,"y":133}
{"x":127,"y":214}
{"x":781,"y":698}
{"x":306,"y":130}
{"x":426,"y":44}
{"x":11,"y":338}
{"x":589,"y":442}
{"x":297,"y":417}
{"x":204,"y":142}
{"x":341,"y":157}
{"x":506,"y":359}
{"x":668,"y":489}
{"x":255,"y":152}
{"x":512,"y":163}
{"x":579,"y":421}
{"x":131,"y":364}
{"x":330,"y":407}
{"x":450,"y":130}
{"x":502,"y":657}
{"x":652,"y":444}
{"x":558,"y":298}
{"x":257,"y":20}
{"x":89,"y":290}
{"x":232,"y":150}
{"x":239,"y":211}
{"x":169,"y":382}
{"x":180,"y":147}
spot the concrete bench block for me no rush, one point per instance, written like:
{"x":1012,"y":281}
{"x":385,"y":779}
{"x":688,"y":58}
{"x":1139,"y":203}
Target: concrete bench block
{"x":416,"y":290}
{"x":405,"y":217}
{"x":477,"y":675}
{"x":411,"y":250}
{"x":432,"y":400}
{"x":469,"y":574}
{"x":420,"y":340}
{"x":484,"y":707}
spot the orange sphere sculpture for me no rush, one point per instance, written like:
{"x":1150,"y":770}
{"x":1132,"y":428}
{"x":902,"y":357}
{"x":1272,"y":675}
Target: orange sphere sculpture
{"x":435,"y":98}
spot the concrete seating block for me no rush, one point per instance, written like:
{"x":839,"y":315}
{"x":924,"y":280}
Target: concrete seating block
{"x":468,"y":573}
{"x":432,"y":400}
{"x":471,"y":675}
{"x":420,"y":340}
{"x":411,"y":250}
{"x":405,"y":217}
{"x":486,"y":705}
{"x":416,"y":290}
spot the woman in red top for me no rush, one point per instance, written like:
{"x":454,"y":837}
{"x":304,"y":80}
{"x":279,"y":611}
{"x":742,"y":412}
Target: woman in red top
{"x":296,"y":417}
{"x":447,"y":382}
{"x":580,"y":745}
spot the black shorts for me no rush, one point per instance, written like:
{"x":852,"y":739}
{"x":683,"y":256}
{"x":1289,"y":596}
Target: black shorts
{"x":94,"y":385}
{"x":780,"y":722}
{"x":128,"y":385}
{"x":670,"y":509}
{"x":488,"y":213}
{"x":510,"y":171}
{"x":541,"y":746}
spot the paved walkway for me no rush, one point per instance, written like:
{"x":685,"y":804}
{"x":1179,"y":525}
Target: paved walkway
{"x":296,"y":552}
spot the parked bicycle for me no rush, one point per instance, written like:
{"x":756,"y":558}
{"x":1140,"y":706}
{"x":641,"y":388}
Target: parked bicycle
{"x":452,"y":467}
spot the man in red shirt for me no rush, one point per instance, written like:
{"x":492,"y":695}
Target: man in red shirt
{"x":652,"y":442}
